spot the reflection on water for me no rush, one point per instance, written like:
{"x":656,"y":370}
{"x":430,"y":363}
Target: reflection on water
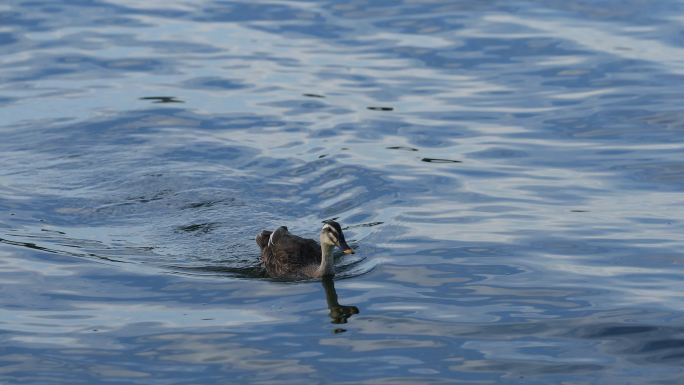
{"x":510,"y":176}
{"x":339,"y":314}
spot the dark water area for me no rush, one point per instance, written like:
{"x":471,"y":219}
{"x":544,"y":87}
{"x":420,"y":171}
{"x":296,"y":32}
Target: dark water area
{"x":510,"y":174}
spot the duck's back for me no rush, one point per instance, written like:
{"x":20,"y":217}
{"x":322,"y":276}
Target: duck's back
{"x":287,"y":255}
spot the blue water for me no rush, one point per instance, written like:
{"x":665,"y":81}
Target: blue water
{"x":510,"y":174}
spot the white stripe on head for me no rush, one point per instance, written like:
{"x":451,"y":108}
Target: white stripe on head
{"x":327,"y":226}
{"x":270,"y":239}
{"x":330,"y":233}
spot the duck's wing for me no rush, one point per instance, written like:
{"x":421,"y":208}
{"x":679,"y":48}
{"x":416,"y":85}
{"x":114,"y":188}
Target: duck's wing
{"x":268,"y":238}
{"x":286,"y":254}
{"x":262,"y":239}
{"x":273,"y":243}
{"x":296,"y":250}
{"x":277,"y":237}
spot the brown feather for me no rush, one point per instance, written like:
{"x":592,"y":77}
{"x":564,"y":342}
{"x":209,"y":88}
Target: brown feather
{"x":288,"y":255}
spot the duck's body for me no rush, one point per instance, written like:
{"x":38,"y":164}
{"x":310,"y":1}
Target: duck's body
{"x":285,"y":255}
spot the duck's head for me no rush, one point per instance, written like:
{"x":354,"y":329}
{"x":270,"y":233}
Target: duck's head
{"x":331,"y":235}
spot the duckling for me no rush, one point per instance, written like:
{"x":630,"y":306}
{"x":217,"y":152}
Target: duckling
{"x":285,"y":255}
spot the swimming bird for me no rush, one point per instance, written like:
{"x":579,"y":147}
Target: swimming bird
{"x":285,"y":255}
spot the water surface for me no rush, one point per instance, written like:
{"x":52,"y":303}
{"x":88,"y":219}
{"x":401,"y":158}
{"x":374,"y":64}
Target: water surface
{"x":510,"y":174}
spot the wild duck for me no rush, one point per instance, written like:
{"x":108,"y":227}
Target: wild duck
{"x":285,"y":255}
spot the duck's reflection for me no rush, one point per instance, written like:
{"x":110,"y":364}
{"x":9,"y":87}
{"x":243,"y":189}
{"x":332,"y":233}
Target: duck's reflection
{"x":339,"y":314}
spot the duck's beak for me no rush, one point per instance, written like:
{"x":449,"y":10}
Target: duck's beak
{"x":346,"y":248}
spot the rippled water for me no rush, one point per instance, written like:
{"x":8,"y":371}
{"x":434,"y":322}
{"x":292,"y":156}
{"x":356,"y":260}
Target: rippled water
{"x":509,"y":172}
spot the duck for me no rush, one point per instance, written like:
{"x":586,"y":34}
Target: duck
{"x":285,"y":255}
